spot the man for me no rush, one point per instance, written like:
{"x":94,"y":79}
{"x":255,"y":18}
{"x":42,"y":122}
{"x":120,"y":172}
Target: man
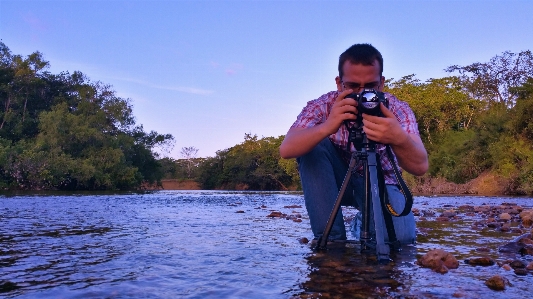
{"x":318,"y":139}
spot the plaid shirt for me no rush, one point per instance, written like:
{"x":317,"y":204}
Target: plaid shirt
{"x":317,"y":111}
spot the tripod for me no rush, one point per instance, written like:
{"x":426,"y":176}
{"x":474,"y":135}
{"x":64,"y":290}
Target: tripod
{"x":374,"y":191}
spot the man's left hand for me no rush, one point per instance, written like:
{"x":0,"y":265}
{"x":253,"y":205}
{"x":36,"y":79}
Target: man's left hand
{"x":386,"y":129}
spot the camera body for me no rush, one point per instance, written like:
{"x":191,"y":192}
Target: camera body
{"x":368,"y":101}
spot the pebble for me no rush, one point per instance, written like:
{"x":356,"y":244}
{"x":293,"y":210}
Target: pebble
{"x":506,"y":267}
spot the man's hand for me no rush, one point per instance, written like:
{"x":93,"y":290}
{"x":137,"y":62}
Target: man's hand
{"x":408,"y":148}
{"x":299,"y":141}
{"x":386,"y":129}
{"x":343,"y":109}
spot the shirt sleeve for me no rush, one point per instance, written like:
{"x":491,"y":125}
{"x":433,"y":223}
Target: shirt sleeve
{"x":404,"y":114}
{"x":315,"y":112}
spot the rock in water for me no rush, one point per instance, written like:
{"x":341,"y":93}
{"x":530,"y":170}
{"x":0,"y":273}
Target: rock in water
{"x":480,"y":261}
{"x":439,"y":261}
{"x":497,"y":283}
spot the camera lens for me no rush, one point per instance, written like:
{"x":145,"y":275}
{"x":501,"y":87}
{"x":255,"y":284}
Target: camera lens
{"x":370,"y":100}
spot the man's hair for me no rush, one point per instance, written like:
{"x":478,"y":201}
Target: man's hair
{"x":364,"y":54}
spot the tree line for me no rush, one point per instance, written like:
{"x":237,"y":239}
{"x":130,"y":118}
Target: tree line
{"x":65,"y":132}
{"x":478,"y":119}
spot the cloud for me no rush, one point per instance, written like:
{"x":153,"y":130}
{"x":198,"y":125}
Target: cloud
{"x":184,"y":89}
{"x":234,"y":68}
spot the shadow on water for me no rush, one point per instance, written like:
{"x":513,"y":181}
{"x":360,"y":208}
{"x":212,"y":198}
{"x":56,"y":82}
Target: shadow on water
{"x":344,"y":272}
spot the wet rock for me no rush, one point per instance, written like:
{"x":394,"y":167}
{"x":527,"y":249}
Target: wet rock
{"x":428,"y":213}
{"x":442,"y":219}
{"x":527,"y":221}
{"x":525,"y":241}
{"x":303,"y":240}
{"x":520,"y":271}
{"x":480,"y":261}
{"x":505,"y":216}
{"x":526,"y":250}
{"x":297,"y":220}
{"x":506,"y":267}
{"x":505,"y":227}
{"x":276,"y":214}
{"x":240,"y":211}
{"x":438,"y":260}
{"x":497,"y":283}
{"x":530,"y":266}
{"x":416,"y":212}
{"x":466,"y":208}
{"x":482,"y":249}
{"x":494,"y":225}
{"x":293,"y":207}
{"x":7,"y":286}
{"x":516,"y":264}
{"x":448,"y":213}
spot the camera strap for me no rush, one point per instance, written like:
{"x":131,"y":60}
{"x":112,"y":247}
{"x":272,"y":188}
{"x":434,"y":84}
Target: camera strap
{"x":402,"y":186}
{"x":394,"y":243}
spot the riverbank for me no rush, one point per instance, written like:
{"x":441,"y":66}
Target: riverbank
{"x":487,"y":184}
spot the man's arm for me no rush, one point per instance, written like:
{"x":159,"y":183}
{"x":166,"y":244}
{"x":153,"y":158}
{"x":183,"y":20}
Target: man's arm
{"x":408,"y":148}
{"x":300,"y":141}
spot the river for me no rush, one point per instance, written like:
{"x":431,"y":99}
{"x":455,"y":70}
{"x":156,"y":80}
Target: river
{"x":216,"y":244}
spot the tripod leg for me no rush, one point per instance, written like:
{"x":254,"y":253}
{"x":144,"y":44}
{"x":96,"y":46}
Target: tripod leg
{"x":323,"y":240}
{"x":382,"y":248}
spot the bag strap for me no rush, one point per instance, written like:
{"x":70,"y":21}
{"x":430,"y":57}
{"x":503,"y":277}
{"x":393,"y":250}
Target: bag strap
{"x":402,"y":186}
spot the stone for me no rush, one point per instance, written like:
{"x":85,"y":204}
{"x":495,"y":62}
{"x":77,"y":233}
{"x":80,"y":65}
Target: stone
{"x":505,"y":216}
{"x":497,"y":283}
{"x":303,"y":240}
{"x":439,"y":261}
{"x":527,"y":250}
{"x":520,"y":271}
{"x":506,"y":267}
{"x":516,"y":264}
{"x":480,"y":261}
{"x":530,"y":266}
{"x":448,"y":213}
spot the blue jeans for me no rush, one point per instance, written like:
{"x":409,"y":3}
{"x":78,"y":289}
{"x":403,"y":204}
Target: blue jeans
{"x":322,"y":172}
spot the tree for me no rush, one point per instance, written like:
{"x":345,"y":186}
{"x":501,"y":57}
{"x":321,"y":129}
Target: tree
{"x":493,"y":81}
{"x":189,"y":154}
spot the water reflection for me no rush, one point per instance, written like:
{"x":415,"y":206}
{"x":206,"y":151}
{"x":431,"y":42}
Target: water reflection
{"x":223,"y":245}
{"x":344,"y":272}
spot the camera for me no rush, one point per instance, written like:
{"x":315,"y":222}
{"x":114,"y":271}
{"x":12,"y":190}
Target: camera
{"x":368,"y":101}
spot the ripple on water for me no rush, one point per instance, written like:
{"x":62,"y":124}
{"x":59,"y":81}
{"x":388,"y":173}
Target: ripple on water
{"x":171,"y":244}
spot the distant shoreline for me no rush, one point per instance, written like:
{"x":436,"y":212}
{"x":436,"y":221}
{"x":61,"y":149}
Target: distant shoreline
{"x":486,"y":184}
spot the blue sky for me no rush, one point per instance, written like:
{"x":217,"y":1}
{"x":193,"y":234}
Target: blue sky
{"x":208,"y":72}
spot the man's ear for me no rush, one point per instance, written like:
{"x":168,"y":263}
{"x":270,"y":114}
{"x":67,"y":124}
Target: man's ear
{"x":339,"y":83}
{"x":381,"y":84}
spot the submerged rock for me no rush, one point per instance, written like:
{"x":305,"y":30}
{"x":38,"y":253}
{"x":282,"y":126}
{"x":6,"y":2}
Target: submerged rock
{"x":480,"y":261}
{"x":439,"y":261}
{"x":497,"y":283}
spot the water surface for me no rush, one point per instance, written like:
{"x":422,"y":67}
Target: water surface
{"x":203,"y":244}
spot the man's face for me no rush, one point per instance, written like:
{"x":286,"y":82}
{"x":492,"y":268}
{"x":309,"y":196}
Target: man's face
{"x":358,"y":76}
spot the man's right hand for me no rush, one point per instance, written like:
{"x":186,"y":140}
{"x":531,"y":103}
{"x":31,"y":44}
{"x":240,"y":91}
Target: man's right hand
{"x":299,"y":141}
{"x":343,"y":109}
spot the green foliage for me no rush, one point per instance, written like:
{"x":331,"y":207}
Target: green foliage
{"x":252,"y":165}
{"x":66,"y":132}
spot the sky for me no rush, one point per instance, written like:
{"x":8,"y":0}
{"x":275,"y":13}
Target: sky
{"x":209,"y":72}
